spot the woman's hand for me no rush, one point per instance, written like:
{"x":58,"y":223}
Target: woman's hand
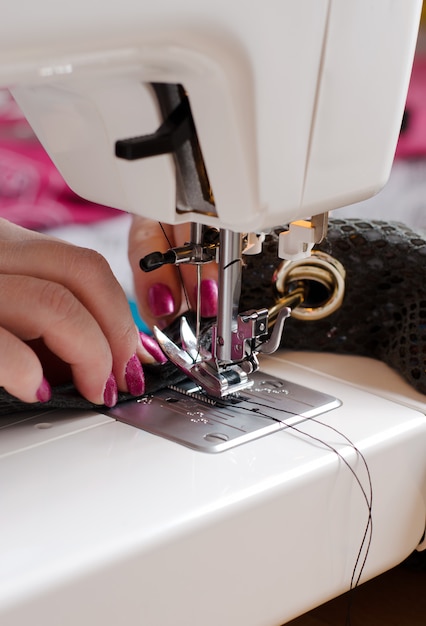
{"x":165,"y":292}
{"x":63,"y":313}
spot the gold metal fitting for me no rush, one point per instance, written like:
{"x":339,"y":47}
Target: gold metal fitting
{"x":322,"y":279}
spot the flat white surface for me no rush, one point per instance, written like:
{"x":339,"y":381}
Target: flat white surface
{"x":103,"y":523}
{"x":361,"y":373}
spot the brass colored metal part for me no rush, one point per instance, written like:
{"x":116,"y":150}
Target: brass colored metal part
{"x":320,"y":278}
{"x":291,"y":300}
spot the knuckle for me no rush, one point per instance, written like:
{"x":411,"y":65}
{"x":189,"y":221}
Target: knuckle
{"x":95,"y":259}
{"x":128,"y":334}
{"x":86,"y":266}
{"x":124,"y":335}
{"x":87,"y":263}
{"x":58,"y":300}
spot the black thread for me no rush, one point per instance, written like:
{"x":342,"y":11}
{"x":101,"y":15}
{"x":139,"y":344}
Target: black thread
{"x":169,"y":243}
{"x":368,"y":500}
{"x":368,"y":531}
{"x":232,"y":263}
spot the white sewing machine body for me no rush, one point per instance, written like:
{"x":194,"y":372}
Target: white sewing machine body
{"x":297,"y":107}
{"x":104,"y":523}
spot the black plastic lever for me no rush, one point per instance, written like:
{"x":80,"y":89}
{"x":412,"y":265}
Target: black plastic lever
{"x":173,"y":132}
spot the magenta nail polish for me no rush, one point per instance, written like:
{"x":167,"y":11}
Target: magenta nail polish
{"x":111,"y":391}
{"x":160,"y":300}
{"x":44,"y":392}
{"x":153,"y":348}
{"x":208,"y":296}
{"x":134,"y":377}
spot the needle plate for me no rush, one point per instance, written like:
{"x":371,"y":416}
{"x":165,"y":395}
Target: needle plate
{"x":186,"y":415}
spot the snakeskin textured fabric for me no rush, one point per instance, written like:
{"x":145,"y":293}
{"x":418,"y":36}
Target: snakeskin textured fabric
{"x":383,"y":314}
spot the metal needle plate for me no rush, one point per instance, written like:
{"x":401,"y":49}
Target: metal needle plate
{"x":209,"y":425}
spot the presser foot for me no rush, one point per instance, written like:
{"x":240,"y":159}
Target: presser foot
{"x":201,"y":366}
{"x":220,"y":379}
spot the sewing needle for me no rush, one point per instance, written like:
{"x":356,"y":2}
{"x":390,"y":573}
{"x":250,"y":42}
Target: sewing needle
{"x":198,"y":314}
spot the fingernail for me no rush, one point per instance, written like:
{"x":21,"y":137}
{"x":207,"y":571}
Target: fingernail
{"x":208,"y":297}
{"x":111,"y":391}
{"x":153,"y":348}
{"x":160,"y":300}
{"x":134,"y":377}
{"x":44,"y":392}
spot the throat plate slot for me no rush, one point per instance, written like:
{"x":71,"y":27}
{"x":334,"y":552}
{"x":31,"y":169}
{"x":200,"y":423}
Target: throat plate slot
{"x":187,"y":416}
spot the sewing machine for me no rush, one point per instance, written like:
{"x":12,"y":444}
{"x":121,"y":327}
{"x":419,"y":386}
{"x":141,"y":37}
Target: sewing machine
{"x":235,"y":118}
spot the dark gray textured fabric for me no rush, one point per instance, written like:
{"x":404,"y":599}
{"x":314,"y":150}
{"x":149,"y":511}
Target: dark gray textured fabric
{"x":66,"y":396}
{"x":383,"y":314}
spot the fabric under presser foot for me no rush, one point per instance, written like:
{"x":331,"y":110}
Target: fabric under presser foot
{"x":65,"y":396}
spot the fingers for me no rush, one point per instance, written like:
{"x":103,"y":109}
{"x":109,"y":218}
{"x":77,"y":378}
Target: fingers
{"x":65,"y":326}
{"x":165,"y":292}
{"x":12,"y":232}
{"x":86,"y":276}
{"x":21,"y":373}
{"x":159,"y":293}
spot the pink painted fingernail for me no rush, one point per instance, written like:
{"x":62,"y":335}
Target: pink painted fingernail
{"x":208,"y":298}
{"x":111,"y":391}
{"x":153,"y":348}
{"x":44,"y":392}
{"x":160,"y":300}
{"x":134,"y":377}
